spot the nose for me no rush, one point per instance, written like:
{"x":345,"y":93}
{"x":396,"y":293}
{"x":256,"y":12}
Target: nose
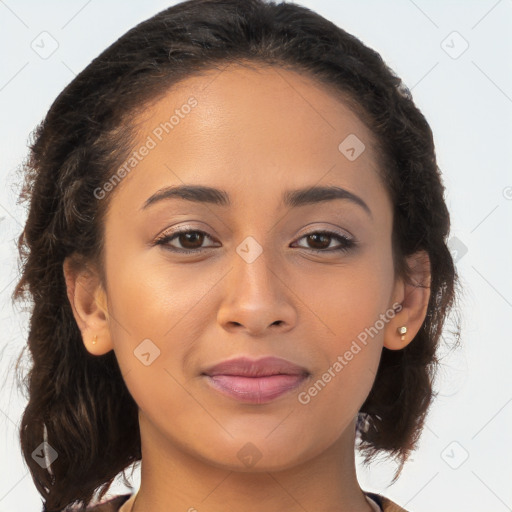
{"x":257,"y":298}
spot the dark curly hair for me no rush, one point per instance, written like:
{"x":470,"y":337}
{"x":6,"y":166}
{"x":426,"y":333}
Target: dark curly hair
{"x":78,"y":403}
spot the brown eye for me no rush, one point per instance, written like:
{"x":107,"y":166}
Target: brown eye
{"x":319,"y":241}
{"x":189,"y":241}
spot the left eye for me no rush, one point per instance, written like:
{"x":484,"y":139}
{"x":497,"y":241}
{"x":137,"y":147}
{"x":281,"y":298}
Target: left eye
{"x":191,"y":241}
{"x":320,"y":237}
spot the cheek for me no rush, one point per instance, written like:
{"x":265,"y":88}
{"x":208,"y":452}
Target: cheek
{"x":154,"y":309}
{"x":348,"y":307}
{"x":152,"y":297}
{"x":344,"y":301}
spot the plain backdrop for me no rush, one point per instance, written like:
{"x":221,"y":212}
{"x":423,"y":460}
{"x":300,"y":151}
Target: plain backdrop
{"x":455,"y":56}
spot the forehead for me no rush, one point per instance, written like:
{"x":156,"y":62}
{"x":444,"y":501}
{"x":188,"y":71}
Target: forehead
{"x":251,"y":129}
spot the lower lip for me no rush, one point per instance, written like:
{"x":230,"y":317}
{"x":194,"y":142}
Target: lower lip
{"x":255,"y":390}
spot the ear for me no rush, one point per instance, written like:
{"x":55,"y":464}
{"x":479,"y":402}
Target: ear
{"x":412,"y":295}
{"x":89,"y":304}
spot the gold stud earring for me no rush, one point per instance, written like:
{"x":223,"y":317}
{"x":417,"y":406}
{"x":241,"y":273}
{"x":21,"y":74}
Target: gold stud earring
{"x":402,"y":331}
{"x":94,"y":340}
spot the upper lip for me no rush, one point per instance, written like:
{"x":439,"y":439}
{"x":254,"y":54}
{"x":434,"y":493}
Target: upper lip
{"x":262,"y":367}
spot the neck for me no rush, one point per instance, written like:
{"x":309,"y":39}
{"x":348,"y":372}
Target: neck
{"x":173,"y":480}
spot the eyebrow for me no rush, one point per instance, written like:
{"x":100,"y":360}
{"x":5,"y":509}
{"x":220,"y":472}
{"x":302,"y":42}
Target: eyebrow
{"x":290,"y":198}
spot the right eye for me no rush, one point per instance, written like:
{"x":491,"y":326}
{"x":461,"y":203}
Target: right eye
{"x":190,"y":240}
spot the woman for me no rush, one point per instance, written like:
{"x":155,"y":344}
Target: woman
{"x":236,"y":249}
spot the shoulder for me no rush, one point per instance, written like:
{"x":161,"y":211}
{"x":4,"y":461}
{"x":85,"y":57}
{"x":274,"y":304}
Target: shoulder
{"x":109,"y":505}
{"x":385,"y":503}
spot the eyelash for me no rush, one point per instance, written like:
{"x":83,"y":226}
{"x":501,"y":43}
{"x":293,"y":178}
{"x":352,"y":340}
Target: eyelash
{"x":347,"y":243}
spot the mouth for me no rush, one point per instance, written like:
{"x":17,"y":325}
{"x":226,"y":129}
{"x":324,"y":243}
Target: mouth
{"x":255,"y":381}
{"x":255,"y":390}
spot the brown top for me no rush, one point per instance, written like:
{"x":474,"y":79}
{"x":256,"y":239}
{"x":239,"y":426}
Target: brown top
{"x":114,"y":504}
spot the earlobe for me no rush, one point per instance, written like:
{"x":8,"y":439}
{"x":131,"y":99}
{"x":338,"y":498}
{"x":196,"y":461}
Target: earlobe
{"x":413,"y":294}
{"x":88,"y":303}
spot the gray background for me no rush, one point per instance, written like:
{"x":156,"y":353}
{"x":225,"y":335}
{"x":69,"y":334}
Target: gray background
{"x":464,"y":458}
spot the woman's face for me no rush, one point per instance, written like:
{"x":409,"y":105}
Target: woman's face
{"x":252,"y":284}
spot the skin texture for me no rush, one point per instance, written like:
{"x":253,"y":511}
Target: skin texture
{"x":254,"y":133}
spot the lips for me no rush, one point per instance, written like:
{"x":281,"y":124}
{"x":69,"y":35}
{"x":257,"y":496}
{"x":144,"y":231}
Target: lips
{"x":263,"y":367}
{"x":255,"y":381}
